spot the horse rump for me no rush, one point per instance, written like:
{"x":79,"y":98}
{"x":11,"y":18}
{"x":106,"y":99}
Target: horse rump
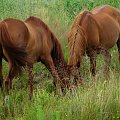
{"x":17,"y":54}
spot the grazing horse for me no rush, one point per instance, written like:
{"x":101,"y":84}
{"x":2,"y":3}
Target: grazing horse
{"x":28,"y":42}
{"x":93,"y":32}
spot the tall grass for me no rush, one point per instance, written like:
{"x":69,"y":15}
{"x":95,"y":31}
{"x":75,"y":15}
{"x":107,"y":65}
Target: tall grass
{"x":95,"y":100}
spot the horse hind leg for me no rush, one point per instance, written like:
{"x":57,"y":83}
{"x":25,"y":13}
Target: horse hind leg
{"x":30,"y":82}
{"x":80,"y":80}
{"x":118,"y":46}
{"x":1,"y":76}
{"x":93,"y":55}
{"x":107,"y":59}
{"x":10,"y":76}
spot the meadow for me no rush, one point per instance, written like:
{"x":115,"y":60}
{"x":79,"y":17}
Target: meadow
{"x":95,"y":100}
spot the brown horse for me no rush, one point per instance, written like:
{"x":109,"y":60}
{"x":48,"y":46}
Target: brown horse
{"x":93,"y":32}
{"x":28,"y":42}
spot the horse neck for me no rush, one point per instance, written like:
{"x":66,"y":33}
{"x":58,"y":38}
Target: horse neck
{"x":58,"y":58}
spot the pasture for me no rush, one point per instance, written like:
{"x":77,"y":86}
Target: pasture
{"x":95,"y":100}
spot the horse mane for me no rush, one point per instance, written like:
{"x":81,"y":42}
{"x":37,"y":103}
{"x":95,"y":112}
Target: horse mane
{"x":58,"y":59}
{"x":57,"y":52}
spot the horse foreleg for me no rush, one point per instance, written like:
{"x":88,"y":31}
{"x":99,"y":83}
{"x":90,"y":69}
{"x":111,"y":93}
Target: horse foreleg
{"x":10,"y":76}
{"x":93,"y":56}
{"x":30,"y":82}
{"x":47,"y":60}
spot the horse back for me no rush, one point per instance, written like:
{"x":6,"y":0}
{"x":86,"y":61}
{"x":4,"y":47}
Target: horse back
{"x":109,"y":10}
{"x":109,"y":29}
{"x":105,"y":9}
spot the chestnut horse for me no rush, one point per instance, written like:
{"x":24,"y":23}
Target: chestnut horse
{"x":25,"y":43}
{"x":93,"y":32}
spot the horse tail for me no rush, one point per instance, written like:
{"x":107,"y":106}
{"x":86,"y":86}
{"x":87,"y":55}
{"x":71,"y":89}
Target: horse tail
{"x":77,"y":45}
{"x":72,"y":49}
{"x":16,"y":53}
{"x":118,"y":46}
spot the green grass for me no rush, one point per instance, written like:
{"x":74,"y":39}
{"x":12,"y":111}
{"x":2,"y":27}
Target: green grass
{"x":95,"y":100}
